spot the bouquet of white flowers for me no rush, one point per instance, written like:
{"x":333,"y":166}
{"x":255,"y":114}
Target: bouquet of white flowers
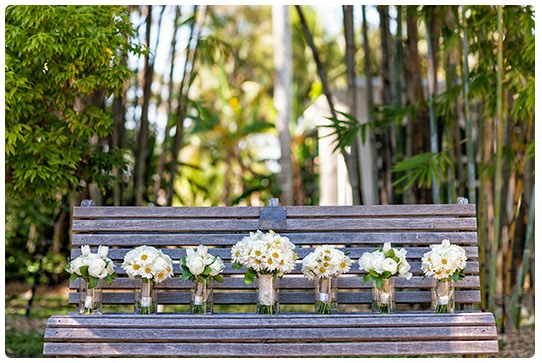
{"x":200,"y":265}
{"x":325,"y":262}
{"x":264,"y":253}
{"x":201,"y":268}
{"x":267,"y":256}
{"x":148,"y":263}
{"x":92,"y":266}
{"x":321,"y":265}
{"x":384,"y":263}
{"x":151,"y":266}
{"x":445,"y":261}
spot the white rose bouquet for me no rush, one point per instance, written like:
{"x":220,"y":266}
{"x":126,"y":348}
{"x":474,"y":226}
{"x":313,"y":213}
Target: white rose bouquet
{"x":148,"y":263}
{"x":201,"y":268}
{"x":321,"y":265}
{"x":200,"y":265}
{"x":381,"y":265}
{"x":445,"y":261}
{"x":384,"y":263}
{"x":92,"y":266}
{"x":264,"y":253}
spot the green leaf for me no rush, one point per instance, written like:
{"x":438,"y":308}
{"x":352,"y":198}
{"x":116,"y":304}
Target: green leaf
{"x":93,"y":281}
{"x":386,"y":274}
{"x":186,"y":275}
{"x":378,"y":282}
{"x":218,"y":278}
{"x":236,"y":265}
{"x":250,"y":275}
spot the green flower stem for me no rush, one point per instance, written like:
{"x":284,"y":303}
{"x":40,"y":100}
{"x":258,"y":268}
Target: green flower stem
{"x":197,"y":309}
{"x":323,"y":307}
{"x":266,"y":309}
{"x":441,"y":308}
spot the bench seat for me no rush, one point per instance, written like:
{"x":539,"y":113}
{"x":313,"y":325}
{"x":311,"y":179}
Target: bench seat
{"x":285,"y":335}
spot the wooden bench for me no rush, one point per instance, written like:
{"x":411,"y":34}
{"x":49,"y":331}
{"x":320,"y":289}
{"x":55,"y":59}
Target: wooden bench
{"x":235,"y":330}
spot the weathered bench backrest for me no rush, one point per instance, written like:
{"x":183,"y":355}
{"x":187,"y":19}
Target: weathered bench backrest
{"x":355,"y":228}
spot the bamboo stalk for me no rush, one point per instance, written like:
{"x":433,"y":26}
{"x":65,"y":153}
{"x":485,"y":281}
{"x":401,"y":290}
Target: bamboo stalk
{"x":468,"y":120}
{"x":431,"y":80}
{"x":499,"y":123}
{"x":517,"y":296}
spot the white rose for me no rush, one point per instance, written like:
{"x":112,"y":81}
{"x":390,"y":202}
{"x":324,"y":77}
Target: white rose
{"x":103,"y":251}
{"x":403,"y":270}
{"x":97,"y":268}
{"x":195,"y":264}
{"x":110,"y":267}
{"x":216,"y":267}
{"x":85,"y":250}
{"x":378,"y":260}
{"x":390,"y":265}
{"x":366,"y":262}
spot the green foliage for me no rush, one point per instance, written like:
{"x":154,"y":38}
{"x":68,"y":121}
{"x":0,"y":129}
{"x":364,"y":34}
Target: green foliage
{"x":59,"y":60}
{"x":61,"y":63}
{"x":420,"y":168}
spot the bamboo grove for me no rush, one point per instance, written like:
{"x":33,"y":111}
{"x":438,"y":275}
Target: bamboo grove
{"x":173,"y":105}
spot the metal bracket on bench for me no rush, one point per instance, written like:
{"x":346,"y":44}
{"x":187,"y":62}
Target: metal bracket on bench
{"x":273,"y":216}
{"x":87,"y":203}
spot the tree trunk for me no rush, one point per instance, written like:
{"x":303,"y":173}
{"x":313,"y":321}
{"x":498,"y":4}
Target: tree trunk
{"x":386,"y":74}
{"x":143,"y":136}
{"x":355,"y":157}
{"x":432,"y":63}
{"x":417,"y":128}
{"x":371,"y":139}
{"x":186,"y":81}
{"x":499,"y":125}
{"x":160,"y":176}
{"x":283,"y":97}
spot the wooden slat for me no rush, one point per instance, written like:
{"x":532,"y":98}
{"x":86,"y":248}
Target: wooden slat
{"x":382,"y":224}
{"x":372,"y":211}
{"x":316,"y":224}
{"x":220,"y":239}
{"x":243,"y":320}
{"x":286,"y":297}
{"x":225,"y":253}
{"x":356,"y":349}
{"x":290,"y":282}
{"x":283,"y":334}
{"x":166,"y":212}
{"x":163,"y":225}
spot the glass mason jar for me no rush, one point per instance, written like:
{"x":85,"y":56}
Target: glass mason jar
{"x":325,"y":296}
{"x":383,"y":297}
{"x":201,"y":296}
{"x":145,"y":297}
{"x":442,"y":296}
{"x":268,"y":294}
{"x":90,"y":299}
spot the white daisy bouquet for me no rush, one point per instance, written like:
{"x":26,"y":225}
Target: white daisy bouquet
{"x":148,"y":264}
{"x":384,"y":263}
{"x":321,"y":265}
{"x":92,"y":266}
{"x":445,"y":261}
{"x":325,"y":262}
{"x":199,"y":265}
{"x":263,"y":253}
